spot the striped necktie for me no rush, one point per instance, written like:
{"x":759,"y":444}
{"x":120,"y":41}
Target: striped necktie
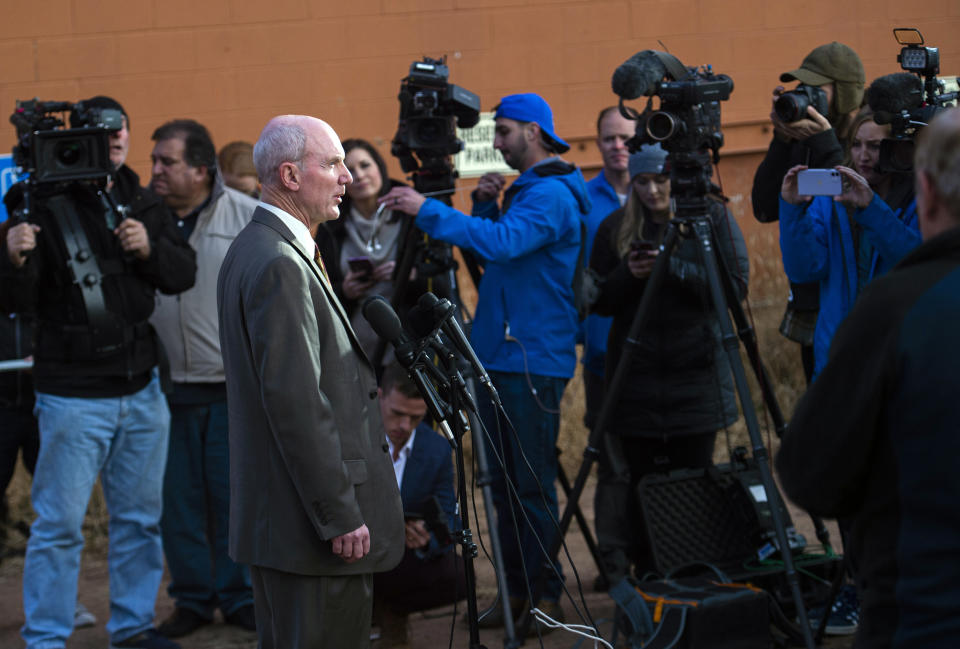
{"x":319,"y":260}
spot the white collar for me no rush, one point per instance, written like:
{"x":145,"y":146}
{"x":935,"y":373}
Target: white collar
{"x":300,"y":232}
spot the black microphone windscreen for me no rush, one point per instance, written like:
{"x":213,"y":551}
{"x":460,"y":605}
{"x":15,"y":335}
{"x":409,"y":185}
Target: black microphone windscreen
{"x":638,"y":75}
{"x":383,"y":319}
{"x":892,"y":94}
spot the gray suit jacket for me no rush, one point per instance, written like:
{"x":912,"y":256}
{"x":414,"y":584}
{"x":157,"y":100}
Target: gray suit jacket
{"x":308,"y":459}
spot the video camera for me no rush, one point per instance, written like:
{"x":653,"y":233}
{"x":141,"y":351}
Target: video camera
{"x":52,"y":154}
{"x":430,"y":110}
{"x":687,"y":123}
{"x":908,"y":100}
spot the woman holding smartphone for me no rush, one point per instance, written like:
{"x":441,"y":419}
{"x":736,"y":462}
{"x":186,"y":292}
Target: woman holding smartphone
{"x":844,"y":241}
{"x":362,"y":247}
{"x":679,"y":390}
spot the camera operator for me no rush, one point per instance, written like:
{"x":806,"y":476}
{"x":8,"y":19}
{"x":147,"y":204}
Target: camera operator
{"x":813,"y":141}
{"x":526,"y":324}
{"x":99,"y":404}
{"x":874,"y":440}
{"x":679,"y":389}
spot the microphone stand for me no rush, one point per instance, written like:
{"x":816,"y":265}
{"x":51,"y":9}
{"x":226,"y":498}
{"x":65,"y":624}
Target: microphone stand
{"x":455,"y":404}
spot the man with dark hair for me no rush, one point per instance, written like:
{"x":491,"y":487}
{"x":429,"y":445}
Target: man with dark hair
{"x":427,"y":576}
{"x":526,"y":322}
{"x":874,"y":440}
{"x":98,"y":399}
{"x":196,"y":487}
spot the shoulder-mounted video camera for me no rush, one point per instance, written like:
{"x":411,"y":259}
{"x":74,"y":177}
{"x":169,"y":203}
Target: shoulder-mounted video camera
{"x":51,"y":153}
{"x":689,"y":115}
{"x":430,"y":110}
{"x":908,"y":100}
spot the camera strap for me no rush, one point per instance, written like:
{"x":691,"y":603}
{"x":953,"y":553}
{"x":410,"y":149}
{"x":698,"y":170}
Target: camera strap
{"x":86,"y":272}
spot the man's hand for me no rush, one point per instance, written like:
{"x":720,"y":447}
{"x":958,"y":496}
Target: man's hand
{"x":788,"y":190}
{"x":134,"y":238}
{"x":856,"y":189}
{"x":489,"y":187}
{"x":802,"y":128}
{"x":403,"y":199}
{"x":352,"y":546}
{"x":384,"y":271}
{"x":21,"y":239}
{"x":417,"y":534}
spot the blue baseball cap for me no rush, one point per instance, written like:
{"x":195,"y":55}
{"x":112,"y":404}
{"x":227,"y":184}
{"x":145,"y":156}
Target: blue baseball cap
{"x":531,"y":107}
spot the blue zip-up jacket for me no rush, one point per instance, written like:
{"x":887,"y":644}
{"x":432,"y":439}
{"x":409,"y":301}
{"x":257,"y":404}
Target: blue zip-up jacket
{"x":596,"y":328}
{"x":817,"y":246}
{"x":529,"y":253}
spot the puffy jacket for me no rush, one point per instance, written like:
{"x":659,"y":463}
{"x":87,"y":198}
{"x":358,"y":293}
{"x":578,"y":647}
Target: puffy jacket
{"x":679,"y":381}
{"x":188,"y":323}
{"x":529,"y":251}
{"x":817,"y":246}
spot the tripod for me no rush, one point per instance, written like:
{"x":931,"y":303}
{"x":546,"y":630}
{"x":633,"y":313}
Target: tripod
{"x":695,"y":224}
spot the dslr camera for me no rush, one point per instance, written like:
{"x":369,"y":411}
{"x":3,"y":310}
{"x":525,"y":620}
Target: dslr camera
{"x":792,"y":105}
{"x":52,"y":154}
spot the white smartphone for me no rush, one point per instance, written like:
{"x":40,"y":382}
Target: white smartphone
{"x":819,"y":182}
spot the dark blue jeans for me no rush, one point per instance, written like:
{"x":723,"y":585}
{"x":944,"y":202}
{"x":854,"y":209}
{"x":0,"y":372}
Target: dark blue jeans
{"x":536,"y":437}
{"x":196,"y":509}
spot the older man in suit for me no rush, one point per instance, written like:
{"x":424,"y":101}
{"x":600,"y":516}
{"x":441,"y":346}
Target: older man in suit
{"x":314,"y":505}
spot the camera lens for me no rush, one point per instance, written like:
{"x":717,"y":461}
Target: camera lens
{"x":661,"y":125}
{"x":790,"y":106}
{"x":68,"y":153}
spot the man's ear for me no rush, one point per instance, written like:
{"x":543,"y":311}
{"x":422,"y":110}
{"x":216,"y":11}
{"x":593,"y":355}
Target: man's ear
{"x":290,"y":176}
{"x":532,"y":132}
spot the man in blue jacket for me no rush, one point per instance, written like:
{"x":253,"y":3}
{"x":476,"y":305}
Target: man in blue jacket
{"x":525,"y":327}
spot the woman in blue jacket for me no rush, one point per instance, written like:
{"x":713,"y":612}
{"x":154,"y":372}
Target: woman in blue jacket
{"x":843,"y":242}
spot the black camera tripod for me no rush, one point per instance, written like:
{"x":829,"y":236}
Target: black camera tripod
{"x":697,"y":226}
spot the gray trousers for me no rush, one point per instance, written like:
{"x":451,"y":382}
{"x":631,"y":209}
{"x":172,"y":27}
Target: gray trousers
{"x":310,"y":612}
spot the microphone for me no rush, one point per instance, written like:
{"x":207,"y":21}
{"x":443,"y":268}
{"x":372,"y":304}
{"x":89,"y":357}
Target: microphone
{"x":443,"y":312}
{"x":638,"y":75}
{"x":892,"y":94}
{"x":384,"y":321}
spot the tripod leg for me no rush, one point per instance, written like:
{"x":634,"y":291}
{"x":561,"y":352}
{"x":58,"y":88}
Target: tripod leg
{"x":704,"y":238}
{"x":581,"y":522}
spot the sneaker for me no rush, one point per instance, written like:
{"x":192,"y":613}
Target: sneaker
{"x":148,"y":639}
{"x":82,"y":617}
{"x":551,"y":609}
{"x":844,"y":614}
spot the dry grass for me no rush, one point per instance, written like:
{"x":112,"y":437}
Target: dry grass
{"x":768,"y":291}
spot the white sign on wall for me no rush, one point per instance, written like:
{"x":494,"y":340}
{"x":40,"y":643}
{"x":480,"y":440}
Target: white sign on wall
{"x":478,"y":156}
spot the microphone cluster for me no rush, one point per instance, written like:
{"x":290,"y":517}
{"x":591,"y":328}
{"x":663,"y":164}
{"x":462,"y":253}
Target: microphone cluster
{"x":428,"y":319}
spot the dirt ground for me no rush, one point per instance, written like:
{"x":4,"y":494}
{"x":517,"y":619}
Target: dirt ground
{"x":428,"y":631}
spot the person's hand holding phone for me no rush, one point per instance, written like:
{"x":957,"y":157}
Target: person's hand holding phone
{"x":641,"y":258}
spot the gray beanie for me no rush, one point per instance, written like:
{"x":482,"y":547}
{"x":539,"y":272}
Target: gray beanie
{"x":648,"y":160}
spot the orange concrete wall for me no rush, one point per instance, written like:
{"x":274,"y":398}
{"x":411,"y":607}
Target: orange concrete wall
{"x":232,"y":64}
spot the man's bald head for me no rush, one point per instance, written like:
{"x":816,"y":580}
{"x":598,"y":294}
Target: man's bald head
{"x":937,"y":164}
{"x":283,"y":139}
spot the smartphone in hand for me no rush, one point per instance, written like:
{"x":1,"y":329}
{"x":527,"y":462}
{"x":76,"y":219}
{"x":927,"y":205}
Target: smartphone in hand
{"x":819,"y":182}
{"x":361,"y":265}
